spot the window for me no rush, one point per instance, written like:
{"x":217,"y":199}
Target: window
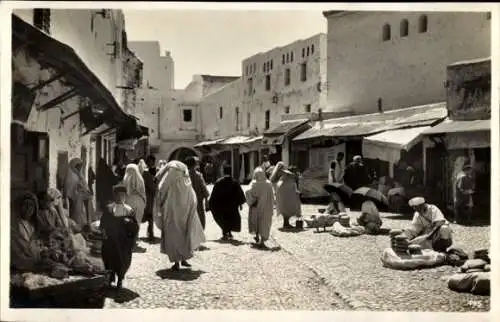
{"x":303,"y":52}
{"x":312,"y":49}
{"x":488,"y":16}
{"x":287,"y":76}
{"x":187,"y":115}
{"x":307,"y":51}
{"x":403,"y":28}
{"x":237,"y":112}
{"x":291,"y":56}
{"x":249,"y":118}
{"x":41,"y":19}
{"x":287,"y":109}
{"x":246,"y":70}
{"x":254,"y":69}
{"x":283,"y":59}
{"x":303,"y":72}
{"x":386,"y":32}
{"x":379,"y":105}
{"x":268,"y":119}
{"x":422,"y":24}
{"x":220,"y":112}
{"x":307,"y":108}
{"x":264,"y":68}
{"x":124,"y":39}
{"x":287,"y":57}
{"x":271,"y":65}
{"x":268,"y":82}
{"x":250,"y":86}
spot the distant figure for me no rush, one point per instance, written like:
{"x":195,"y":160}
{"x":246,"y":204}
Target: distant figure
{"x":136,"y":190}
{"x":288,"y":198}
{"x":227,"y":196}
{"x":464,"y":191}
{"x":151,"y":187}
{"x":176,"y":216}
{"x":266,"y":164}
{"x":120,"y":228}
{"x":77,"y":192}
{"x":209,"y":172}
{"x":356,"y":174}
{"x":199,"y":186}
{"x":260,"y":199}
{"x":336,"y":172}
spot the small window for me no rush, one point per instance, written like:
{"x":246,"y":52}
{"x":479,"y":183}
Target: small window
{"x":237,"y":112}
{"x":250,"y":86}
{"x":403,"y":28}
{"x":283,"y":59}
{"x":287,"y":76}
{"x":303,"y":52}
{"x":303,"y":72}
{"x":254,"y":69}
{"x":488,"y":16}
{"x":246,"y":70}
{"x":291,"y":57}
{"x":307,"y":108}
{"x":220,"y":112}
{"x":264,"y":68}
{"x":271,"y":65}
{"x":287,"y":57}
{"x":249,"y":118}
{"x":422,"y":24}
{"x":268,"y":82}
{"x":379,"y":105}
{"x":187,"y":115}
{"x":268,"y":120}
{"x":41,"y":19}
{"x":307,"y":52}
{"x":386,"y":32}
{"x":287,"y":109}
{"x":312,"y":49}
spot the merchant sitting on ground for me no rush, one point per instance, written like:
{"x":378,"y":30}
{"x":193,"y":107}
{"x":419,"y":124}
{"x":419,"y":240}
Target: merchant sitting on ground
{"x":429,"y":228}
{"x":370,"y":218}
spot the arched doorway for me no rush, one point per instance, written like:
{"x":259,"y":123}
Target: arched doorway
{"x":181,"y":154}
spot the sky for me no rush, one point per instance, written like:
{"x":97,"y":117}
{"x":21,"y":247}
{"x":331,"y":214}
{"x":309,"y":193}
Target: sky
{"x":215,"y":42}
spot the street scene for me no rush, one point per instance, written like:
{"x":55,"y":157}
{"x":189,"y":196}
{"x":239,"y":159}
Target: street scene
{"x":318,"y":169}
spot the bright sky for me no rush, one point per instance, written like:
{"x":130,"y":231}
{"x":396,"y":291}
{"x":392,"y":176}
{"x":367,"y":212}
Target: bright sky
{"x":215,"y":42}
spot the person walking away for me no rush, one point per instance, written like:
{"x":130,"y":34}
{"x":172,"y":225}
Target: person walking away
{"x":356,"y":174}
{"x":136,"y":194}
{"x":176,"y":215}
{"x":209,"y":172}
{"x":464,"y":191}
{"x":287,"y":198}
{"x":370,"y":218}
{"x":151,"y":187}
{"x":120,"y":229}
{"x":336,"y":172}
{"x":266,"y":164}
{"x":199,"y":186}
{"x":227,"y":196}
{"x":429,"y":228}
{"x":260,"y":199}
{"x":77,"y":192}
{"x":106,"y":180}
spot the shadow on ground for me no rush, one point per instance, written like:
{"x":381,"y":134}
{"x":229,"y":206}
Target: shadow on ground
{"x":180,"y":275}
{"x":233,"y":242}
{"x":291,"y":230}
{"x":154,"y":241}
{"x":398,"y":217}
{"x":121,"y":295}
{"x":265,"y":248}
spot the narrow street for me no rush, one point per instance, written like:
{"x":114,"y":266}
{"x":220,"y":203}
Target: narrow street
{"x":302,"y":271}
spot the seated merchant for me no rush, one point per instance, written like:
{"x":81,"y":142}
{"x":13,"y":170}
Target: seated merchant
{"x":370,"y":217}
{"x":429,"y":228}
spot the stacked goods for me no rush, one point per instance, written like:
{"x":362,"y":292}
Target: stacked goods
{"x":415,"y":249}
{"x":95,"y":242}
{"x":400,"y":244}
{"x":345,"y":220}
{"x":482,"y":254}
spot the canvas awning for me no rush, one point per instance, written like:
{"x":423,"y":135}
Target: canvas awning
{"x":207,"y":143}
{"x":235,"y":140}
{"x":387,"y":146}
{"x":277,"y":135}
{"x":450,"y":126}
{"x":49,"y":52}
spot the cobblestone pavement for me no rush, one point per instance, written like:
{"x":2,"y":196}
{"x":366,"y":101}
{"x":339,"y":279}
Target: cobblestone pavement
{"x":226,"y":276}
{"x":353,"y":267}
{"x":311,"y":271}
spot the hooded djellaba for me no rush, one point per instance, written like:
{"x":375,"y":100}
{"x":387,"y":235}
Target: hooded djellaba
{"x":227,"y":197}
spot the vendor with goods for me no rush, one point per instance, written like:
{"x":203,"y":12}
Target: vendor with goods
{"x":429,"y":228}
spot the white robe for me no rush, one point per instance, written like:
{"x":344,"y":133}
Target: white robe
{"x":176,"y":215}
{"x":261,"y":194}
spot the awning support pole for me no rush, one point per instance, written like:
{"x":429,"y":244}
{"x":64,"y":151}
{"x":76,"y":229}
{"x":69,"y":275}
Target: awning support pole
{"x":47,"y":82}
{"x":70,"y":115}
{"x":58,"y":100}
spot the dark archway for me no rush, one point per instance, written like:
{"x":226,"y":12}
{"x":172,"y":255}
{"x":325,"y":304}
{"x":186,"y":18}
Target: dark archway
{"x":181,"y":154}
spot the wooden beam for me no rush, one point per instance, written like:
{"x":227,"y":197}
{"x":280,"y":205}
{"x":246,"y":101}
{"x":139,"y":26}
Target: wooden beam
{"x":47,"y":82}
{"x":58,"y":100}
{"x":70,"y":115}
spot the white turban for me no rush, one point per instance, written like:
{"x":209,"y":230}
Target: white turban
{"x":417,"y":201}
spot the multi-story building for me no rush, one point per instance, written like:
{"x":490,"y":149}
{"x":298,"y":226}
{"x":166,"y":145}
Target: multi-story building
{"x":390,"y":60}
{"x":68,"y":68}
{"x":285,"y":80}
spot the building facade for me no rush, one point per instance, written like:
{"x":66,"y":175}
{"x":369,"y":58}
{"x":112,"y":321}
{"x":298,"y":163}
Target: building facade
{"x":285,"y":80}
{"x":390,"y":60}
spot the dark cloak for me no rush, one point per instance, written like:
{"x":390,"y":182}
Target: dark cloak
{"x":227,"y":196}
{"x":151,"y":187}
{"x":105,"y":180}
{"x":120,"y":237}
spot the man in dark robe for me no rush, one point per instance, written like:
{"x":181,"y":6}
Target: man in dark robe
{"x":227,"y":196}
{"x":105,"y":180}
{"x":356,"y":174}
{"x":151,"y":187}
{"x":199,"y":186}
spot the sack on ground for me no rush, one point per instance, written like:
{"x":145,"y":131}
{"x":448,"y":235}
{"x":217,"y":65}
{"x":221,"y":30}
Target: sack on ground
{"x":341,"y":231}
{"x":475,"y":283}
{"x":428,"y":258}
{"x":473,"y":264}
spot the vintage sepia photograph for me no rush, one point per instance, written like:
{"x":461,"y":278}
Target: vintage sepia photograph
{"x":236,"y":159}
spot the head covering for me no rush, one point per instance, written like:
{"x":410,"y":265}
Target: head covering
{"x":357,"y":158}
{"x":277,"y":172}
{"x":133,"y":180}
{"x":417,"y":201}
{"x":259,"y":175}
{"x":74,"y":177}
{"x":25,"y":198}
{"x":49,"y":197}
{"x":142,"y":165}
